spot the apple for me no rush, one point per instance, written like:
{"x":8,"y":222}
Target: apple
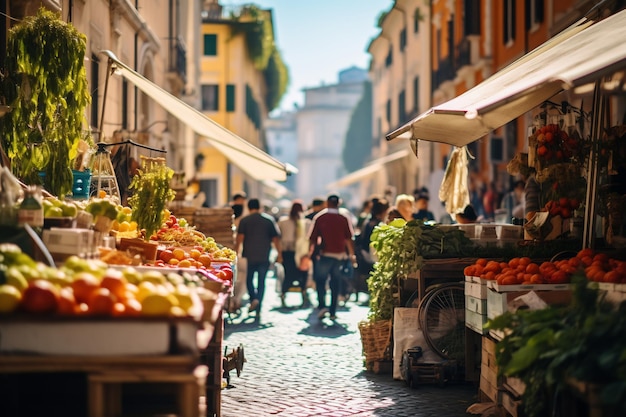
{"x":40,"y":297}
{"x":165,"y":255}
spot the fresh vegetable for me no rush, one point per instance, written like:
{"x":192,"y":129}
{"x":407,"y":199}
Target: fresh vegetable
{"x":151,"y":194}
{"x":549,"y":348}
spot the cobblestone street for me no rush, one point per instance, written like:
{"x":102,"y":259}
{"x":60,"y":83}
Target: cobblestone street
{"x":300,"y":366}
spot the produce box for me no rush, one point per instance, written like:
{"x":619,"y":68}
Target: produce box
{"x":98,"y":337}
{"x":489,"y":369}
{"x":476,"y":305}
{"x":500,"y":302}
{"x":475,"y":321}
{"x":476,"y":287}
{"x":511,"y":404}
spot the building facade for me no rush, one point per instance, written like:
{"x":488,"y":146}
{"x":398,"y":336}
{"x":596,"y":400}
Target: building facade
{"x":322,"y":123}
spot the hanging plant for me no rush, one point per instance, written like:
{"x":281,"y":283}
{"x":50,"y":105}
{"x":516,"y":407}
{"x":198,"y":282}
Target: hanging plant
{"x":151,"y":194}
{"x":45,"y":84}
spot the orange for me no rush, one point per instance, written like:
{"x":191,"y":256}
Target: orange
{"x":133,"y":307}
{"x":83,"y":285}
{"x":195,"y":253}
{"x":116,"y":284}
{"x":179,"y":253}
{"x":101,"y":302}
{"x":205,"y":259}
{"x":67,"y":303}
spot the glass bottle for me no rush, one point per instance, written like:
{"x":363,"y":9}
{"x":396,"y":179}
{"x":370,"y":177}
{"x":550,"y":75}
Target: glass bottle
{"x":31,"y":210}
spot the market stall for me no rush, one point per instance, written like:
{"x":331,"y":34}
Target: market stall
{"x":536,"y":270}
{"x":104,"y":303}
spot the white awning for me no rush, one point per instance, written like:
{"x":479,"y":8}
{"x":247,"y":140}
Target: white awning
{"x":579,"y":55}
{"x":274,"y":189}
{"x":250,"y":159}
{"x":368,"y":171}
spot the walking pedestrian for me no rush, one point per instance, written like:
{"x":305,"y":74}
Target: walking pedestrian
{"x":238,"y":204}
{"x":334,"y":232}
{"x":293,"y":233}
{"x":255,"y":236}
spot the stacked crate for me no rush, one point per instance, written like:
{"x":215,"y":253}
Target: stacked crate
{"x":216,"y":223}
{"x":475,"y":303}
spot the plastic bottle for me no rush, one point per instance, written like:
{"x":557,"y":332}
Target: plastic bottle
{"x":31,"y":210}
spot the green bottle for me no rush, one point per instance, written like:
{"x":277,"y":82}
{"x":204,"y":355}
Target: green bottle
{"x":31,"y":210}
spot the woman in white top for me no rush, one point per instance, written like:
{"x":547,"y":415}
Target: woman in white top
{"x":295,"y":247}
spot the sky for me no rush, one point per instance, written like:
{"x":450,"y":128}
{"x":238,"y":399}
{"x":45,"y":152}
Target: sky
{"x":319,"y":38}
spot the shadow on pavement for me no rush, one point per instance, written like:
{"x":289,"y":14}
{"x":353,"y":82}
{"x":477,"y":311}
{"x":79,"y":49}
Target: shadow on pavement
{"x":324,"y":327}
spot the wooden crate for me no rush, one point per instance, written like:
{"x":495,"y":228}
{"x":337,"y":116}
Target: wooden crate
{"x":216,"y":223}
{"x":489,"y":370}
{"x":107,"y":390}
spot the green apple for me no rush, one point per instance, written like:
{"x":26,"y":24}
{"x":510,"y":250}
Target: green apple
{"x":54,"y":212}
{"x":69,"y":209}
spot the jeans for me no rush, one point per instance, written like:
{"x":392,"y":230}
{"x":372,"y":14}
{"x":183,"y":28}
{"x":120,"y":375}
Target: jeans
{"x":324,"y":267}
{"x":256,"y":292}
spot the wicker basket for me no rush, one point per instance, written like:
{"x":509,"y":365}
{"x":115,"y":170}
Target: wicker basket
{"x":375,"y":337}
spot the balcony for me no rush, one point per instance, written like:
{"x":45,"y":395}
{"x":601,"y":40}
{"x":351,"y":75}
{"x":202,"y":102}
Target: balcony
{"x":446,"y":72}
{"x":177,"y":72}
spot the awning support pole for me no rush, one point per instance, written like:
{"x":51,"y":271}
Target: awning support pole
{"x":598,"y":113}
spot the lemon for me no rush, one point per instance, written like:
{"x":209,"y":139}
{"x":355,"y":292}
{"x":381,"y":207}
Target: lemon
{"x":157,"y":304}
{"x":144,"y":289}
{"x":183,"y":295}
{"x":124,"y":226}
{"x":154,"y":277}
{"x":15,"y":277}
{"x":10,"y":298}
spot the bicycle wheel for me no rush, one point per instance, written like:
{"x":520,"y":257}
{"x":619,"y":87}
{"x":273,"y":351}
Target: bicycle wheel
{"x":442,"y":320}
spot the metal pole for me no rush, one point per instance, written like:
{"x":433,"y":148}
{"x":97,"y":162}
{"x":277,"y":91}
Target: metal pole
{"x":104,"y":97}
{"x":598,"y":112}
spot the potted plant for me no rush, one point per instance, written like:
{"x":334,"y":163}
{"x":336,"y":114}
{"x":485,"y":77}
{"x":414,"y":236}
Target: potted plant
{"x":45,"y":84}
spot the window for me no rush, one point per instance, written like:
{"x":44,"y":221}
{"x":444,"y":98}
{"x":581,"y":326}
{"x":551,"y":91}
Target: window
{"x":389,"y":59}
{"x":230,"y":98}
{"x":417,"y":16}
{"x":210,"y":44}
{"x":95,"y":71}
{"x":209,"y":187}
{"x":534,"y":12}
{"x":403,"y":39}
{"x":472,"y":17}
{"x":389,"y":111}
{"x":124,"y":104}
{"x":416,"y":94}
{"x":508,"y":20}
{"x":210,"y":97}
{"x":402,"y":106}
{"x":496,"y":149}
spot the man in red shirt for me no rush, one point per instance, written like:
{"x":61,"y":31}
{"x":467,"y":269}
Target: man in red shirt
{"x":333,"y":232}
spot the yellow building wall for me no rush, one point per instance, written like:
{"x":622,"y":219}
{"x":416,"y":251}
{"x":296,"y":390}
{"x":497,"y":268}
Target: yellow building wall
{"x":231,"y":65}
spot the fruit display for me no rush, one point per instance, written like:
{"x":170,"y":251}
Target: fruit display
{"x":53,"y":207}
{"x":91,"y":288}
{"x":597,"y":267}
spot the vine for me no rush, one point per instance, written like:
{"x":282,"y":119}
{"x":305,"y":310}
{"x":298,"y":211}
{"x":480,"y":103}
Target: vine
{"x":45,"y":84}
{"x":256,"y":26}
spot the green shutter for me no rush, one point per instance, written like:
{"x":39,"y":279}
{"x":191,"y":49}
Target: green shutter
{"x":230,"y":98}
{"x":210,"y":44}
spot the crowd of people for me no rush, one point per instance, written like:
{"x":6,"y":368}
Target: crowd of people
{"x":325,"y":247}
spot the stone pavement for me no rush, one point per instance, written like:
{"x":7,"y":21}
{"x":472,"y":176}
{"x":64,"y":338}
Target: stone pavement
{"x":299,"y":366}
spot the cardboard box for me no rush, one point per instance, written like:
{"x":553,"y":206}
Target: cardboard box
{"x":68,"y":241}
